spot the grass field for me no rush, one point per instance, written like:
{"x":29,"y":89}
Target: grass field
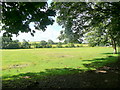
{"x":18,"y":64}
{"x":17,"y":61}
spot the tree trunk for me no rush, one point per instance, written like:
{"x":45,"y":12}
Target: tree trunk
{"x":115,"y":50}
{"x":114,"y":47}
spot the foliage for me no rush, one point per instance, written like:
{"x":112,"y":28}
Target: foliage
{"x":16,"y":16}
{"x":43,"y":43}
{"x":97,"y":38}
{"x":70,"y":45}
{"x":25,"y":44}
{"x":38,"y":46}
{"x":59,"y":45}
{"x":34,"y":44}
{"x":80,"y":18}
{"x":8,"y":43}
{"x":5,"y":41}
{"x":14,"y":45}
{"x":49,"y":46}
{"x":50,"y":41}
{"x":68,"y":37}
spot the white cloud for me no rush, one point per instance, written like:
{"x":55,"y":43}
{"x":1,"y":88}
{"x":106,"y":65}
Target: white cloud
{"x":52,"y":32}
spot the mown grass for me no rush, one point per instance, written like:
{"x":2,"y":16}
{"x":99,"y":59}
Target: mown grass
{"x":22,"y":68}
{"x":16,"y":61}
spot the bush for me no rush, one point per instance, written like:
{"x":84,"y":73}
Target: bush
{"x":81,"y":45}
{"x":43,"y":43}
{"x":59,"y":45}
{"x":92,"y":44}
{"x":48,"y":46}
{"x":38,"y":46}
{"x":77,"y":46}
{"x":66,"y":46}
{"x":70,"y":45}
{"x":34,"y":44}
{"x":13,"y":45}
{"x":53,"y":47}
{"x":25,"y":44}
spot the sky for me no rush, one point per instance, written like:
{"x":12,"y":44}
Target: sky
{"x":52,"y":32}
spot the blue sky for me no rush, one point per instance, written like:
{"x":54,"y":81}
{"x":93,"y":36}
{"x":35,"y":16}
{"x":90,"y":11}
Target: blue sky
{"x":52,"y":32}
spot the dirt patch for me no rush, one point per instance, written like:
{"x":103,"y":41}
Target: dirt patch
{"x":62,"y":56}
{"x":15,"y":66}
{"x":18,"y":66}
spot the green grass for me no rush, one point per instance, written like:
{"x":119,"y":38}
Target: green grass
{"x":17,"y":61}
{"x":38,"y":64}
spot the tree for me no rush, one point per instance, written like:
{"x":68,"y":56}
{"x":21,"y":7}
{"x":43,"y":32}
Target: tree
{"x":59,"y":45}
{"x":50,"y":41}
{"x":16,"y":17}
{"x":8,"y":43}
{"x":69,"y":37}
{"x":14,"y":45}
{"x":80,"y":18}
{"x":25,"y":44}
{"x":43,"y":43}
{"x":5,"y":42}
{"x":97,"y":38}
{"x":0,"y":43}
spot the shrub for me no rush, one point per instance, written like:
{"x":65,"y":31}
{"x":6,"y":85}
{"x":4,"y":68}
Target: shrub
{"x":13,"y":45}
{"x":92,"y":44}
{"x":25,"y":45}
{"x":48,"y":46}
{"x":43,"y":43}
{"x":81,"y":45}
{"x":66,"y":46}
{"x":70,"y":45}
{"x":53,"y":47}
{"x":38,"y":46}
{"x":59,"y":45}
{"x":77,"y":46}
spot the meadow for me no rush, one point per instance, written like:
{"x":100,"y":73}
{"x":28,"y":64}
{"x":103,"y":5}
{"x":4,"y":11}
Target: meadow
{"x":16,"y":63}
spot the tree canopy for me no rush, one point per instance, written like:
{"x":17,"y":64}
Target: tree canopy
{"x":16,"y":16}
{"x":80,"y":18}
{"x":77,"y":18}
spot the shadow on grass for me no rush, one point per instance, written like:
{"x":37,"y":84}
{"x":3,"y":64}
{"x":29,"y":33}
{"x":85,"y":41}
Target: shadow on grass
{"x":112,"y":53}
{"x":107,"y":53}
{"x":99,"y":62}
{"x":66,"y":77}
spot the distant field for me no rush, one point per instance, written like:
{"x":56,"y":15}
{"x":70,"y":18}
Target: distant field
{"x":19,"y":61}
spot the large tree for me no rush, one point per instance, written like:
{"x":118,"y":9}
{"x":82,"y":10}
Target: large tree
{"x":97,"y":38}
{"x":82,"y":17}
{"x":50,"y":42}
{"x":16,"y":16}
{"x":69,"y":37}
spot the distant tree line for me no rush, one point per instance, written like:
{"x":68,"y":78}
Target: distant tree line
{"x":8,"y":43}
{"x":51,"y":44}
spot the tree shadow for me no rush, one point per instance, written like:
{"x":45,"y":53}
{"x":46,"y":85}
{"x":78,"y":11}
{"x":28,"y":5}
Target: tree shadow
{"x":107,"y":53}
{"x":99,"y":62}
{"x":112,"y":53}
{"x":67,"y":77}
